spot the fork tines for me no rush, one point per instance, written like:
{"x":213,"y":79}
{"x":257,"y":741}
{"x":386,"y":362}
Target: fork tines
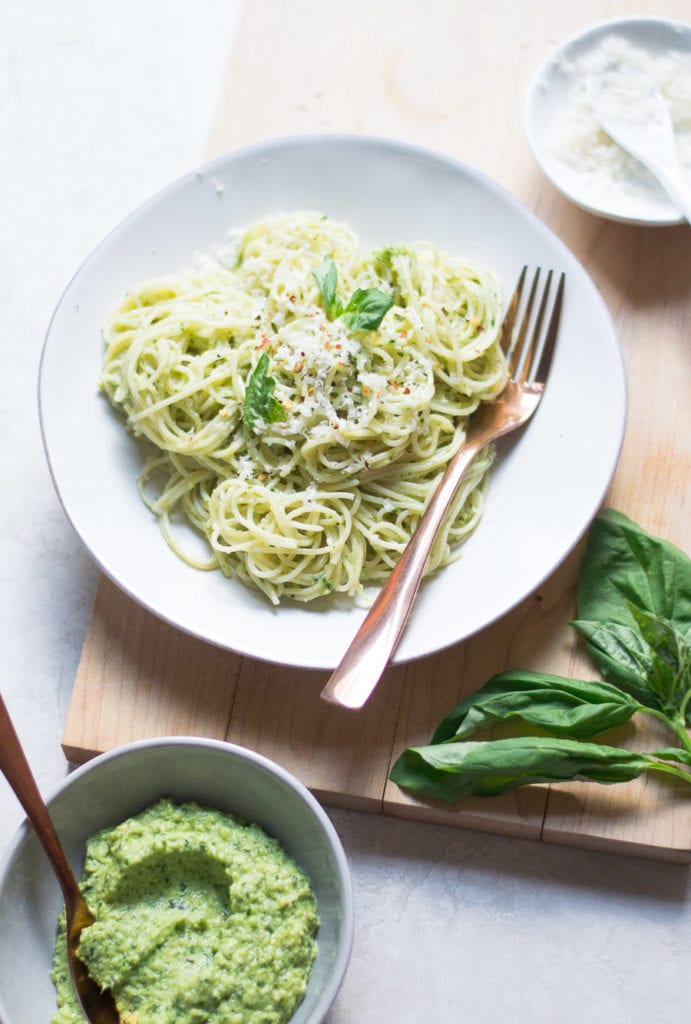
{"x":532,"y":360}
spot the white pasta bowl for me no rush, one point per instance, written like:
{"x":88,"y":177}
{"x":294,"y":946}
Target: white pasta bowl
{"x":553,"y":118}
{"x":123,"y":782}
{"x":543,"y":490}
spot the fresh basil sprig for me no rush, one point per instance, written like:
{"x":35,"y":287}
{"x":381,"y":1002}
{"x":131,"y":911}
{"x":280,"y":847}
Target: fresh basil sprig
{"x":260,"y":402}
{"x":634,"y":606}
{"x":364,"y":311}
{"x":634,"y":610}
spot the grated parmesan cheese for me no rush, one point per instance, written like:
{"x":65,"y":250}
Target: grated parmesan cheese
{"x":584,"y":146}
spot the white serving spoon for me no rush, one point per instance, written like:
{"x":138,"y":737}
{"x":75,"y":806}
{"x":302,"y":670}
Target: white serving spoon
{"x":629,"y":107}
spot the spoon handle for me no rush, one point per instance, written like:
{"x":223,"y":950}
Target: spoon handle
{"x":15,"y":768}
{"x":676,"y":188}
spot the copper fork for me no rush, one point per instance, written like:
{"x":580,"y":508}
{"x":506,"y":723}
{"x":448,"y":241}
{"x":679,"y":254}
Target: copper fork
{"x":529,"y":351}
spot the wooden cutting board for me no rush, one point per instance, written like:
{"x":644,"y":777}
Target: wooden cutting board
{"x":450,"y":75}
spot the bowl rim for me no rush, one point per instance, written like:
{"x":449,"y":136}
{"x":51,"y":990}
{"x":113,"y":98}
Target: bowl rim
{"x":583,"y":35}
{"x":344,"y":879}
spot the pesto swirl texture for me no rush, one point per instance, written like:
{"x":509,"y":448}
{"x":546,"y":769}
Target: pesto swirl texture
{"x":198,"y":917}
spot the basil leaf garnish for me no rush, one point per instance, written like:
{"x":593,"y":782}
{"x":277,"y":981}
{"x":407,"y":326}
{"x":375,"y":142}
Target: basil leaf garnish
{"x":260,"y":402}
{"x":367,"y":309}
{"x":326,"y":277}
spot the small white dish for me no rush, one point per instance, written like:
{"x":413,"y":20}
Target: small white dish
{"x":123,"y":782}
{"x":554,"y":101}
{"x":544,"y":489}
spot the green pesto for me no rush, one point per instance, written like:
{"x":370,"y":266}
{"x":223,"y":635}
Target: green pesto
{"x":199,"y":917}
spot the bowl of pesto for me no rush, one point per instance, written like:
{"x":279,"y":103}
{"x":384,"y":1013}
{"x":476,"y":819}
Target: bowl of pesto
{"x":220,"y":888}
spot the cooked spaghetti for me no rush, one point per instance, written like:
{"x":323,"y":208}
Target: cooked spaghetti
{"x":303,"y":400}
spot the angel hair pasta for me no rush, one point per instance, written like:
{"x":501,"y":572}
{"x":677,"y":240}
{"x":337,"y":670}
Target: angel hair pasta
{"x":303,"y":400}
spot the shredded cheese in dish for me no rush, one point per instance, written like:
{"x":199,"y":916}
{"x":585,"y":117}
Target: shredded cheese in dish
{"x":583,"y":145}
{"x":304,"y":398}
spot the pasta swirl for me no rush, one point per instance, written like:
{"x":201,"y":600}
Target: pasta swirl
{"x":320,"y":489}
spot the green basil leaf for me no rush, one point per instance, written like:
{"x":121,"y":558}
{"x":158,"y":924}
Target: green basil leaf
{"x":260,"y":403}
{"x":669,"y":671}
{"x":326,"y":277}
{"x":675,"y":754}
{"x":451,"y":771}
{"x":623,"y":564}
{"x":623,"y":657}
{"x":366,"y":309}
{"x":563,"y":707}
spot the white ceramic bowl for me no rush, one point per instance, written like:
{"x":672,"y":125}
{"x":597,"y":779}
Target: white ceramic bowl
{"x":123,"y":782}
{"x":544,"y":489}
{"x":546,"y":105}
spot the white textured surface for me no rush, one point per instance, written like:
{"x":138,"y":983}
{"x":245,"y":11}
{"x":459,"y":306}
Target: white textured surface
{"x":100,"y":105}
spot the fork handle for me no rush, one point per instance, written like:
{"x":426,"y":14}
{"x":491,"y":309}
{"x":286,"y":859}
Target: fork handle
{"x":378,"y":637}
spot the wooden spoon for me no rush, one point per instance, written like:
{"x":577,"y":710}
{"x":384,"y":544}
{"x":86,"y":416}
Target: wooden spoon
{"x":98,"y":1005}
